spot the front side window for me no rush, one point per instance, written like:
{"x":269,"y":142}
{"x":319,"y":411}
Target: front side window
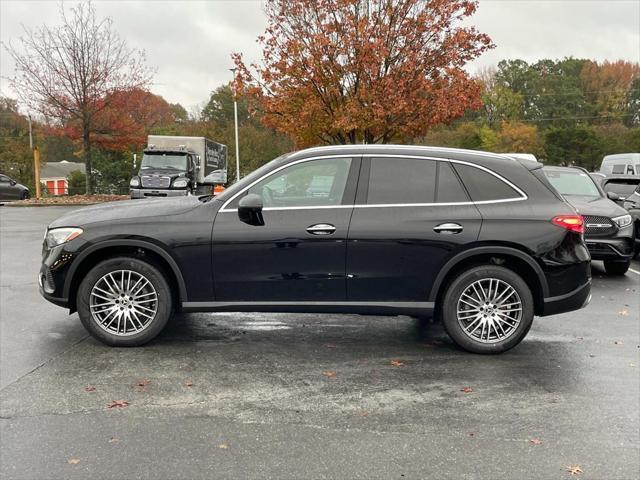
{"x":307,"y":184}
{"x":401,"y":181}
{"x":573,"y":183}
{"x":484,"y":186}
{"x":4,"y":179}
{"x":621,"y":187}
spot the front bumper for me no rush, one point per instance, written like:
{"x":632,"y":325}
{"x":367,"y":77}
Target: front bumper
{"x":610,"y":248}
{"x":574,"y":300}
{"x":157,"y":193}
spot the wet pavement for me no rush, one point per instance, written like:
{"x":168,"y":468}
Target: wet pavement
{"x":311,"y":396}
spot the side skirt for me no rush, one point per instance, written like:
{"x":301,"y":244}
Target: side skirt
{"x":362,"y":308}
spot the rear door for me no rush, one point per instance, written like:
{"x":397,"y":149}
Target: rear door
{"x":411,"y":214}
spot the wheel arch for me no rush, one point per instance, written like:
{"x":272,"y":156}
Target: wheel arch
{"x":135,"y":248}
{"x":510,"y":257}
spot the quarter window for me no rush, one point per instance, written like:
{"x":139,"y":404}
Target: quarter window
{"x":483,"y":186}
{"x":313,"y":183}
{"x":401,"y":181}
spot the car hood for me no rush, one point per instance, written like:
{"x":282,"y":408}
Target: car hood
{"x":602,"y":207}
{"x":126,"y":210}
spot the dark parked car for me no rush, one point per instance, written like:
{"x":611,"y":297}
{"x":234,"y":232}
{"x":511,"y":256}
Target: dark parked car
{"x":12,"y":190}
{"x":621,"y":185}
{"x":480,"y":240}
{"x":632,"y":205}
{"x":608,"y":227}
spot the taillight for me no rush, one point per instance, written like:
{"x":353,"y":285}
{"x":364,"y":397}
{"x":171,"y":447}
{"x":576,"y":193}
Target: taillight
{"x":573,"y":223}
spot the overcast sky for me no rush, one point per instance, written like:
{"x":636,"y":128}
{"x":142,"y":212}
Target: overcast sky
{"x":189,"y":41}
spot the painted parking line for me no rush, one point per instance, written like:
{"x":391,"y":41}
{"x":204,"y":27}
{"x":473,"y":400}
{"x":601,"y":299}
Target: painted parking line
{"x":634,"y":271}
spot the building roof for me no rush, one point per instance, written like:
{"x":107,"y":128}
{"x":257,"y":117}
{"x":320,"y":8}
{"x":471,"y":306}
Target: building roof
{"x":59,"y":169}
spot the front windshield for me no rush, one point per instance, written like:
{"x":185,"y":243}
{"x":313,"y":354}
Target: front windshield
{"x":164,"y":160}
{"x":573,"y":183}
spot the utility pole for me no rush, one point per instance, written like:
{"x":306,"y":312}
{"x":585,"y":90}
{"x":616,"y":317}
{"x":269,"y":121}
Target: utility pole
{"x":235,"y":115}
{"x":30,"y":134}
{"x":36,"y":171}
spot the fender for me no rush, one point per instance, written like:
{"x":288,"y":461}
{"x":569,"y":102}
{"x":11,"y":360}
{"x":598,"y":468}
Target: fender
{"x":484,"y":251}
{"x":126,"y":243}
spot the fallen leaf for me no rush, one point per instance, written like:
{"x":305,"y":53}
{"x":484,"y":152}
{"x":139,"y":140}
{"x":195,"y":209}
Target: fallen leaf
{"x":364,"y":414}
{"x":471,"y":434}
{"x":89,"y":388}
{"x":329,"y":373}
{"x":591,"y":355}
{"x":114,"y":440}
{"x":624,"y":312}
{"x":579,"y":338}
{"x":188,"y":383}
{"x":467,"y":390}
{"x":330,"y":345}
{"x":618,"y":342}
{"x":223,"y":446}
{"x":574,"y":469}
{"x":397,"y":363}
{"x":632,"y":364}
{"x":536,"y":441}
{"x":73,"y":461}
{"x":118,"y":404}
{"x":143,"y":383}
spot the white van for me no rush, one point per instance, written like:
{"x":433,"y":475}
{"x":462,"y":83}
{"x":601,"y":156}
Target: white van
{"x":621,"y":164}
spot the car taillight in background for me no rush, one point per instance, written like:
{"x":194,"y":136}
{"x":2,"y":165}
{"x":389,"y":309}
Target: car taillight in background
{"x":573,"y":223}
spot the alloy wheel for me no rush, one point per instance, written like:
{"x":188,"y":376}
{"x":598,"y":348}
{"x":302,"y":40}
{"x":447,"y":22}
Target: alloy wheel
{"x":489,"y":310}
{"x":123,"y":302}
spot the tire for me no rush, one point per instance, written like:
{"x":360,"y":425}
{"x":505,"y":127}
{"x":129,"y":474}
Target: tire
{"x":505,"y":329}
{"x":616,"y":268}
{"x":144,"y":310}
{"x":24,"y":195}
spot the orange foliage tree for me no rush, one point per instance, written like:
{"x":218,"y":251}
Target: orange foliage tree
{"x":348,"y":71}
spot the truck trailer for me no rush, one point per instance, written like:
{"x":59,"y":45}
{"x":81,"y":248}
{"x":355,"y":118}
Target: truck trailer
{"x":173,"y":166}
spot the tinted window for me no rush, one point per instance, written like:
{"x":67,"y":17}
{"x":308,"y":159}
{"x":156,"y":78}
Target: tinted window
{"x":483,"y":186}
{"x":618,"y":169}
{"x":450,"y":189}
{"x":3,"y":178}
{"x":313,"y":183}
{"x":401,"y":180}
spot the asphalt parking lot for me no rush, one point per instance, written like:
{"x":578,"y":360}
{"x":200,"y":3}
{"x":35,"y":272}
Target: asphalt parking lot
{"x":311,"y":396}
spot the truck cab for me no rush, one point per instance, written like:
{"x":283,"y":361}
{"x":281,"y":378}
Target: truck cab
{"x":165,"y":173}
{"x":176,"y":166}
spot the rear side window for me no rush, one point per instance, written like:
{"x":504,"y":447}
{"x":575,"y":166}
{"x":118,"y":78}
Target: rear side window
{"x":401,"y":180}
{"x":483,"y":186}
{"x":450,"y":190}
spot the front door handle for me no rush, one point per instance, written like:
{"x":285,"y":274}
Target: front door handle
{"x":321,"y":229}
{"x":448,"y":228}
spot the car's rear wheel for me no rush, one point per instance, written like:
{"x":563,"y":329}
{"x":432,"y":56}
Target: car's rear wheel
{"x":487,"y":309}
{"x":24,"y":195}
{"x":614,"y":267}
{"x":124,"y":302}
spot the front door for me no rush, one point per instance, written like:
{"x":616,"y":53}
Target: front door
{"x":411,"y":215}
{"x":299,"y":253}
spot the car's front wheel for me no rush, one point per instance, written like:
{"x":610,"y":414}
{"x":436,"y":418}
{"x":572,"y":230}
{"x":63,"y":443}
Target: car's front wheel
{"x":615,"y":267}
{"x":124,"y":302}
{"x":487,"y":309}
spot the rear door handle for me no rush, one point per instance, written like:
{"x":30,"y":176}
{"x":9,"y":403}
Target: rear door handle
{"x":448,"y":228}
{"x":321,"y":229}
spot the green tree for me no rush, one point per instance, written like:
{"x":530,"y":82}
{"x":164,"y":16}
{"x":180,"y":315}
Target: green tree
{"x":573,"y":146}
{"x":16,"y":159}
{"x":76,"y":182}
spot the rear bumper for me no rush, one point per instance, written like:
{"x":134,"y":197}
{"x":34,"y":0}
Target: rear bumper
{"x":159,"y":193}
{"x":574,"y":300}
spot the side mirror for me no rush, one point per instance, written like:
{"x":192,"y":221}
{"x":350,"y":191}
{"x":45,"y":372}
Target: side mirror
{"x":250,"y":210}
{"x":613,"y":196}
{"x":12,"y":182}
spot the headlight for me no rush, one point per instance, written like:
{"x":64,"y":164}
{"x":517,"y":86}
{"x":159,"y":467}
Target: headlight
{"x":622,"y":221}
{"x":180,"y":182}
{"x":58,"y":236}
{"x":135,"y":182}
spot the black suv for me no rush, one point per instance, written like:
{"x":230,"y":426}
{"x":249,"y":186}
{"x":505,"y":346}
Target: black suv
{"x":480,"y":240}
{"x":608,"y":226}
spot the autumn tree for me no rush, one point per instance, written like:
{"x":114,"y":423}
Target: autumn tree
{"x":348,"y":71}
{"x":70,"y":72}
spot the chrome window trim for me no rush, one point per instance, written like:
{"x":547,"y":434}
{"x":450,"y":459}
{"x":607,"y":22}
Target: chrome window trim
{"x":523,"y":196}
